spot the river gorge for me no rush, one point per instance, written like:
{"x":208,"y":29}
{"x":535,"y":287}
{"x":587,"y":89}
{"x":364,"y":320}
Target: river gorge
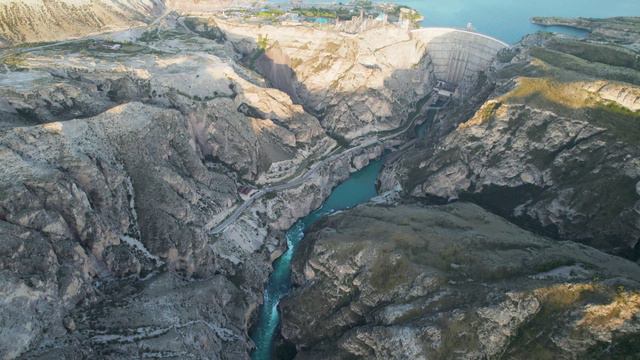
{"x":219,"y":180}
{"x":358,"y":189}
{"x":279,"y":283}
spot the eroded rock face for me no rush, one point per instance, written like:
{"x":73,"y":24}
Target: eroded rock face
{"x":117,"y":163}
{"x":556,"y":152}
{"x":119,"y":200}
{"x":357,"y":84}
{"x":165,"y":316}
{"x":108,"y":196}
{"x":453,"y":281}
{"x":120,"y":154}
{"x":530,"y":164}
{"x":48,"y":20}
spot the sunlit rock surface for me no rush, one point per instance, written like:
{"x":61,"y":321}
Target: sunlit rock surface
{"x":425,"y":282}
{"x":47,"y":20}
{"x":123,"y":151}
{"x":555,"y":147}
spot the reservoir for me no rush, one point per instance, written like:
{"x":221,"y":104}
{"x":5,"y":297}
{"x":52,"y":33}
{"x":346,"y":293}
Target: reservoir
{"x":508,"y":21}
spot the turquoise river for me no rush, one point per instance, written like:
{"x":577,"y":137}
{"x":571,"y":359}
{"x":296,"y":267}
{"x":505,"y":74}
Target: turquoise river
{"x":505,"y":20}
{"x":358,"y":189}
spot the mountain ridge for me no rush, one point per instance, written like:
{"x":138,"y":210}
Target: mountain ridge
{"x":63,"y":19}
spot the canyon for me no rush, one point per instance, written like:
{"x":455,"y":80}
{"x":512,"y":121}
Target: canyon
{"x":429,"y":274}
{"x":152,"y":161}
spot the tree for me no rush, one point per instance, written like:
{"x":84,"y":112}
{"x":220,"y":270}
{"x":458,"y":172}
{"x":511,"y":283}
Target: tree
{"x":263,"y":42}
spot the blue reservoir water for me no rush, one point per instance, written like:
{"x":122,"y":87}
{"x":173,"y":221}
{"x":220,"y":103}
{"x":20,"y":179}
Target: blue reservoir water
{"x":358,"y":189}
{"x":509,"y":21}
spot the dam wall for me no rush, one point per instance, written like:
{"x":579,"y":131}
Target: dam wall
{"x":458,"y":55}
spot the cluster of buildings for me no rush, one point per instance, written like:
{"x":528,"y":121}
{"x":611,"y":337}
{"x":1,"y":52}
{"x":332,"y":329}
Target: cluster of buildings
{"x":362,"y":18}
{"x":366,"y":22}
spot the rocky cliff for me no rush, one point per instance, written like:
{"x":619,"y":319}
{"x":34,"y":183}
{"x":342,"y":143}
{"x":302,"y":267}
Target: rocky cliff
{"x":356,"y":83}
{"x":119,"y":158}
{"x":33,"y":21}
{"x":123,"y":153}
{"x":555,"y":147}
{"x":548,"y":140}
{"x":47,"y":20}
{"x":454,"y":281}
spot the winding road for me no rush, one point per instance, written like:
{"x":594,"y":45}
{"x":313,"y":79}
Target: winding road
{"x":289,"y":185}
{"x":221,"y":227}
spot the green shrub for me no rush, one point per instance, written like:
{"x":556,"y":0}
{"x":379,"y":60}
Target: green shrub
{"x":263,"y":42}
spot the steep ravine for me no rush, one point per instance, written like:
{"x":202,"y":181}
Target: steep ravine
{"x":550,"y":153}
{"x":121,"y":154}
{"x":117,"y":163}
{"x":360,"y":187}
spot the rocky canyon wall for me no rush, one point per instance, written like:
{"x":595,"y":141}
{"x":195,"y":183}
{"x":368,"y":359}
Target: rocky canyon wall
{"x":48,"y":20}
{"x":537,"y":150}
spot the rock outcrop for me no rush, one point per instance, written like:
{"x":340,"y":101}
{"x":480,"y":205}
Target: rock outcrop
{"x":622,"y":30}
{"x":550,"y":141}
{"x":107,"y":217}
{"x":454,"y":281}
{"x":34,"y":21}
{"x":48,"y":20}
{"x":555,"y":147}
{"x":106,"y":198}
{"x":118,"y":159}
{"x":355,"y":83}
{"x":122,"y":152}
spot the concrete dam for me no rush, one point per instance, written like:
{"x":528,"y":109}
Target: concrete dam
{"x":458,"y":55}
